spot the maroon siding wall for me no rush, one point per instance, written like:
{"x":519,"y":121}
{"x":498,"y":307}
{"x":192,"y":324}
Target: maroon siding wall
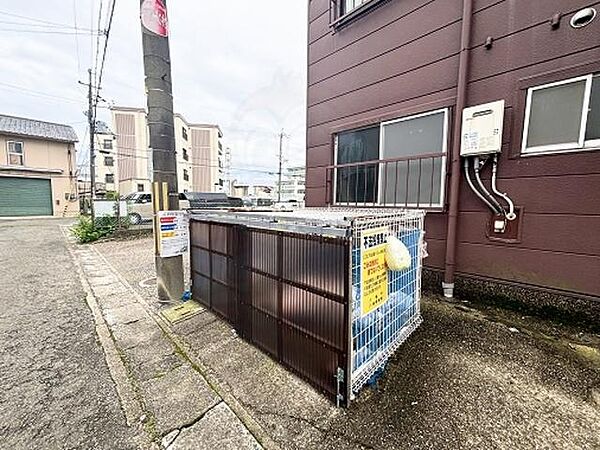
{"x":402,"y":58}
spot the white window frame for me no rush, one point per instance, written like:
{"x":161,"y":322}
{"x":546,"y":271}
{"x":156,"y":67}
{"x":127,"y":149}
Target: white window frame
{"x":444,"y":151}
{"x":378,"y":202}
{"x":566,"y":147}
{"x":8,"y":153}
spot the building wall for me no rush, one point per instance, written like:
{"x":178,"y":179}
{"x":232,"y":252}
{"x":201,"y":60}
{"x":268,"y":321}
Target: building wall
{"x":181,"y":143}
{"x":292,"y":185}
{"x":135,"y":159}
{"x":102,"y":170}
{"x":402,"y":59}
{"x":206,"y":174}
{"x":134,"y":162}
{"x":51,"y":160}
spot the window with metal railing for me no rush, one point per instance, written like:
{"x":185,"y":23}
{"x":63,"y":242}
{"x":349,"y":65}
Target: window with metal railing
{"x":342,"y":12}
{"x":400,"y":162}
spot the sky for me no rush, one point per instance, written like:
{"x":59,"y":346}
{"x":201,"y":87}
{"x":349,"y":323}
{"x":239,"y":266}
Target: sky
{"x":235,"y":63}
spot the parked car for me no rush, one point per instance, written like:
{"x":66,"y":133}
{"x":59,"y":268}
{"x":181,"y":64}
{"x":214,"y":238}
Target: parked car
{"x":140,"y":209}
{"x":213,"y":200}
{"x":289,"y":205}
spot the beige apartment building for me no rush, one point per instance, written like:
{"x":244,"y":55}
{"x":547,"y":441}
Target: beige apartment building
{"x":198,"y":146}
{"x":37,"y":168}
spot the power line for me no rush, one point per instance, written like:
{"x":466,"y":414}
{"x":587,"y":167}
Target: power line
{"x":107,"y":35}
{"x":76,"y":37}
{"x":38,"y":93}
{"x":33,"y":19}
{"x":70,"y":33}
{"x":51,"y":27}
{"x":122,"y":157}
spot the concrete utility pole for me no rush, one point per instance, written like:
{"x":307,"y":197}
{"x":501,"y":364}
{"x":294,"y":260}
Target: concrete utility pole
{"x":157,"y":69}
{"x":92,"y":127}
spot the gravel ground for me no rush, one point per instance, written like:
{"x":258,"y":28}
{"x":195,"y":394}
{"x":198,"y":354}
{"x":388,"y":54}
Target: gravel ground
{"x":468,"y":378}
{"x":55,"y":388}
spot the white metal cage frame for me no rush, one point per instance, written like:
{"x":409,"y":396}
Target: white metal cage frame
{"x":378,"y":334}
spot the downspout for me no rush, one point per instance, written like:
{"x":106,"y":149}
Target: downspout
{"x":461,"y":99}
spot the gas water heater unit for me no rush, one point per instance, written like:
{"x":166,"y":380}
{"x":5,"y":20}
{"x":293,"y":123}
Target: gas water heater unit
{"x":482,"y":129}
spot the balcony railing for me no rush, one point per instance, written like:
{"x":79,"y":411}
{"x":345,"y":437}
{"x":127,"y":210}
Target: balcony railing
{"x":407,"y":182}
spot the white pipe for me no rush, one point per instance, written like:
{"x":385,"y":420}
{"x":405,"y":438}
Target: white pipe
{"x":511,"y":206}
{"x":472,"y":186}
{"x":482,"y":186}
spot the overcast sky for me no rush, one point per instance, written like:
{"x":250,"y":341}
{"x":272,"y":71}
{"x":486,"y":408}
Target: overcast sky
{"x":236,"y":63}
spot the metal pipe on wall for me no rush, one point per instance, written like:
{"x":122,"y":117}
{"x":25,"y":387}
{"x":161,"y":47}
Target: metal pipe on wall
{"x":461,"y":99}
{"x":511,"y":206}
{"x":475,"y":190}
{"x":477,"y":167}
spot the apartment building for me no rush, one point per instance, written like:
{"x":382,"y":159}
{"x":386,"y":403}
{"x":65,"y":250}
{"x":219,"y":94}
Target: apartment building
{"x":37,"y":168}
{"x":293,"y":185}
{"x":208,"y":158}
{"x":389,"y":85}
{"x":198,"y":148}
{"x":107,"y":175}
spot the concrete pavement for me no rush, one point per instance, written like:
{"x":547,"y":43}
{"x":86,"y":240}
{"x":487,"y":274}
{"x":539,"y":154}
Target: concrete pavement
{"x":468,"y":378}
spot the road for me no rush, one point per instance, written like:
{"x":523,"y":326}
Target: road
{"x":55,"y":389}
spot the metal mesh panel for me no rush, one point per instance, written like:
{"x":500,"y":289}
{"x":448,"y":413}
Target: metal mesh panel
{"x":378,"y":333}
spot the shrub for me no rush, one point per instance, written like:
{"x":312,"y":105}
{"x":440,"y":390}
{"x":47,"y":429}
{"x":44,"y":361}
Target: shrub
{"x":85,"y":231}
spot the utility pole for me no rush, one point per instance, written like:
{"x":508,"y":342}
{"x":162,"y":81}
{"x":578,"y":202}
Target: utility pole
{"x":92,"y":127}
{"x":161,"y":127}
{"x":281,"y":135}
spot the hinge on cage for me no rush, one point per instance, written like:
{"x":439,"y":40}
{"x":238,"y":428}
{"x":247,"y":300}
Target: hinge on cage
{"x":339,"y":376}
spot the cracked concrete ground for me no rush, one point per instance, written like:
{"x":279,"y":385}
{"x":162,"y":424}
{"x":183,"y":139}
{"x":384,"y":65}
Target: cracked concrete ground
{"x":55,"y":387}
{"x":172,"y":400}
{"x":463,"y":380}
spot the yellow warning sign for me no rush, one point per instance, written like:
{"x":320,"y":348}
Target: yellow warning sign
{"x":374,"y":273}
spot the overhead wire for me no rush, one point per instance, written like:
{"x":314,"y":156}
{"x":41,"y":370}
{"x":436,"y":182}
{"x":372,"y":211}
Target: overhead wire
{"x":33,"y":19}
{"x":107,"y":35}
{"x":264,"y":170}
{"x":76,"y":37}
{"x":37,"y":93}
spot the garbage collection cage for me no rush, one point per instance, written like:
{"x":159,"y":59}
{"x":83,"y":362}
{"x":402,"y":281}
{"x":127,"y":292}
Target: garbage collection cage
{"x":290,"y":283}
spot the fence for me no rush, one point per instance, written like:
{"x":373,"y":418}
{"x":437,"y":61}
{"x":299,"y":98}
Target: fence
{"x":414,"y":181}
{"x":290,"y":284}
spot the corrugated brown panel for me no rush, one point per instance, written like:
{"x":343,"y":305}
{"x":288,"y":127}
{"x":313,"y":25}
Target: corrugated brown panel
{"x":315,"y":263}
{"x":219,"y":298}
{"x":320,"y":317}
{"x":201,"y":289}
{"x":219,"y":238}
{"x":264,"y":294}
{"x":201,"y":261}
{"x":310,"y":358}
{"x":287,"y":293}
{"x":264,"y":331}
{"x":199,"y":233}
{"x":220,"y":268}
{"x":264,"y":251}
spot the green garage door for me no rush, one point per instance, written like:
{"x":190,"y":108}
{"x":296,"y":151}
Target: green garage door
{"x":25,"y":197}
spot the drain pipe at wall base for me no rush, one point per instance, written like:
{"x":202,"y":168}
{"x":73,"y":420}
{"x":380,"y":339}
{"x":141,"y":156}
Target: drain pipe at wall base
{"x":461,"y":99}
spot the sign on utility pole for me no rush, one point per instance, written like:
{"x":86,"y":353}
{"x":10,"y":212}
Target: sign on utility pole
{"x":161,"y":128}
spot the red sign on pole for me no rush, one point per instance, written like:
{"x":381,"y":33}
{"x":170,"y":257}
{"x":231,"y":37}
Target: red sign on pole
{"x":154,"y":17}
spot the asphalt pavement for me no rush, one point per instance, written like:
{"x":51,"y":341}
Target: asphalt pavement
{"x":56,"y":391}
